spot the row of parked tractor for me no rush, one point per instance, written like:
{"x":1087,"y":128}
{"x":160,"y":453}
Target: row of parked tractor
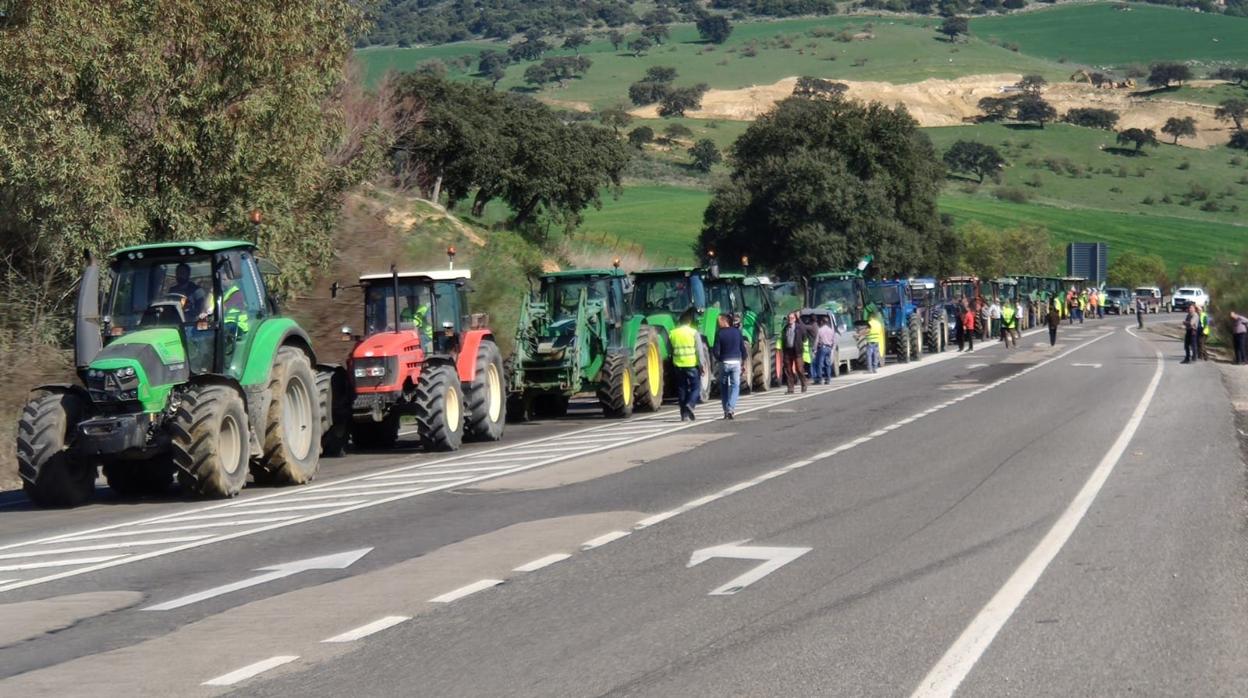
{"x":189,"y":372}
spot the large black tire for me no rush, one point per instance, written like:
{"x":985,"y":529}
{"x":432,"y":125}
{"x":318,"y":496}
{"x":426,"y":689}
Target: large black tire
{"x":335,"y":411}
{"x":211,"y":448}
{"x":50,"y":475}
{"x":615,"y":386}
{"x":762,"y":358}
{"x":932,"y":335}
{"x":485,"y":397}
{"x":648,"y":371}
{"x":862,"y":340}
{"x":292,"y":426}
{"x":439,"y":408}
{"x":376,"y":436}
{"x":903,"y":347}
{"x":135,"y":478}
{"x":916,"y":336}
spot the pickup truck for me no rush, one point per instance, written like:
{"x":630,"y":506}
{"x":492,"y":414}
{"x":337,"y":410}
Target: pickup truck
{"x":1187,"y":295}
{"x":1153,"y":299}
{"x":1118,"y":301}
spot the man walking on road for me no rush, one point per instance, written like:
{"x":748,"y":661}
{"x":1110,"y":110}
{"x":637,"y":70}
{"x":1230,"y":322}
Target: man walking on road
{"x":1140,"y":308}
{"x":1009,"y":321}
{"x":825,"y":346}
{"x":1241,"y":338}
{"x":688,"y":369}
{"x":795,"y":337}
{"x":730,"y":352}
{"x":968,"y":329}
{"x":1191,"y":329}
{"x":1055,"y":319}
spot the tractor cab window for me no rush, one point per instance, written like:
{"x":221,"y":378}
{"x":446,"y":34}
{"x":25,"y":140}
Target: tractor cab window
{"x":919,"y":293}
{"x":723,"y":296}
{"x":158,"y":292}
{"x":752,"y":297}
{"x":884,"y":295}
{"x":414,"y":307}
{"x":615,"y":304}
{"x":668,"y":294}
{"x":837,"y":295}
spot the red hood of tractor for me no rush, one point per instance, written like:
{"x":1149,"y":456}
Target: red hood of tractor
{"x":387,"y":344}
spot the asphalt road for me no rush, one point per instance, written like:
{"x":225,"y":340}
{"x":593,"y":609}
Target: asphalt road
{"x":1043,"y":521}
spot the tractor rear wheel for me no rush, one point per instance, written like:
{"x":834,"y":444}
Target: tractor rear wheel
{"x":647,"y":371}
{"x":903,"y":347}
{"x":50,"y":476}
{"x":707,"y":379}
{"x":484,"y":396}
{"x":335,"y":396}
{"x":211,"y":446}
{"x":137,"y":478}
{"x":761,"y":360}
{"x":439,"y":408}
{"x":615,"y":386}
{"x":292,"y":427}
{"x":376,"y":436}
{"x":933,"y":334}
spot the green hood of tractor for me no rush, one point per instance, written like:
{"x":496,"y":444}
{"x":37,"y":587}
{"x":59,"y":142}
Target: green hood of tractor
{"x":142,"y":366}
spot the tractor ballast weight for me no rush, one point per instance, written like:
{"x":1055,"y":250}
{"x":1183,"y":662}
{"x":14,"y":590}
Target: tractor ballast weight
{"x":903,"y":321}
{"x":574,"y":336}
{"x":424,"y":355}
{"x":188,"y":372}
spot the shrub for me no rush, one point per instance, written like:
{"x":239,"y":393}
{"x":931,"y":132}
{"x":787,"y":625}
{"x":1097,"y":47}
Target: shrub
{"x":1148,"y":201}
{"x":1185,"y":165}
{"x":1211,"y":206}
{"x":1011,"y":194}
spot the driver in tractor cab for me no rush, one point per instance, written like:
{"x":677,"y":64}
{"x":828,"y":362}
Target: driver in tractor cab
{"x":193,"y":296}
{"x":415,"y":313}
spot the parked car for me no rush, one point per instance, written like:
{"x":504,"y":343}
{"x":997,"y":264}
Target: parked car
{"x":1154,"y":301}
{"x":1118,"y":300}
{"x":1187,"y":295}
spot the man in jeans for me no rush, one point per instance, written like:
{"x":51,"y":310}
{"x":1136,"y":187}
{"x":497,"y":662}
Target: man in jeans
{"x":1191,"y":329}
{"x":825,"y":346}
{"x":1241,"y":338}
{"x":730,"y":353}
{"x":689,"y":370}
{"x":794,"y":335}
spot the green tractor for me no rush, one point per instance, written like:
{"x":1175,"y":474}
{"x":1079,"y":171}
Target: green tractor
{"x":188,"y":372}
{"x":660,"y":297}
{"x":574,"y":336}
{"x":749,"y":298}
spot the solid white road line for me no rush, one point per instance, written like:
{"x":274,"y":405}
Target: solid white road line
{"x":249,"y":671}
{"x":463,"y":591}
{"x":170,"y":529}
{"x":103,"y":546}
{"x":59,"y":563}
{"x":272,"y":510}
{"x":603,"y":540}
{"x":541,"y":562}
{"x":956,"y":664}
{"x":365,"y":630}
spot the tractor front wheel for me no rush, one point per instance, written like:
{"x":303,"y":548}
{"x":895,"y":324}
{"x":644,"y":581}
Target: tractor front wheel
{"x":484,"y":396}
{"x":210,"y":441}
{"x":335,"y":395}
{"x":916,"y":337}
{"x":903,"y":347}
{"x":760,"y":363}
{"x":707,"y":380}
{"x":615,"y":387}
{"x":50,"y":476}
{"x":439,"y":408}
{"x":292,"y":428}
{"x":647,"y":371}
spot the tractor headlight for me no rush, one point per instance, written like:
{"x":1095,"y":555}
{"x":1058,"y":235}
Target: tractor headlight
{"x":126,"y":372}
{"x":376,"y":371}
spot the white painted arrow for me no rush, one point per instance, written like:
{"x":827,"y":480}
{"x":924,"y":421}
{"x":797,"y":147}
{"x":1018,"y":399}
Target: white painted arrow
{"x":1087,"y":365}
{"x":774,"y":558}
{"x":337,"y":561}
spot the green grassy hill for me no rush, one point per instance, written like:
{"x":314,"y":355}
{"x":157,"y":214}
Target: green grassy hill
{"x":1101,"y":34}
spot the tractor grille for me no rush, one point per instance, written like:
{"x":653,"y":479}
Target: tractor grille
{"x":375,"y":372}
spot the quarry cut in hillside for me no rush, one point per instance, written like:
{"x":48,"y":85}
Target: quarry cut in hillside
{"x":939,"y":102}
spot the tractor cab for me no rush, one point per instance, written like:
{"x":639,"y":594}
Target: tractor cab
{"x":430,"y":307}
{"x":562,"y":296}
{"x":842,"y":293}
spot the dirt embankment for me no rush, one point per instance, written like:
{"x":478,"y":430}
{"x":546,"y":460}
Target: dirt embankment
{"x":938,"y":102}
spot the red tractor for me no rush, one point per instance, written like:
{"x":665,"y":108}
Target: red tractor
{"x":423,"y":355}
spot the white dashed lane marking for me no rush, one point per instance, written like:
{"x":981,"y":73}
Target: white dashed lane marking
{"x":466,"y":590}
{"x":249,"y":671}
{"x":365,"y":630}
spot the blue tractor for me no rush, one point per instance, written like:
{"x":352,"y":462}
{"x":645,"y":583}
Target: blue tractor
{"x":925,"y":293}
{"x":903,"y":320}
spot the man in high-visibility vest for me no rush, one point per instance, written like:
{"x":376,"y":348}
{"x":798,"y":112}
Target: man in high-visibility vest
{"x":688,"y":368}
{"x":1202,"y":337}
{"x":236,"y":318}
{"x":875,"y":341}
{"x":1009,"y":320}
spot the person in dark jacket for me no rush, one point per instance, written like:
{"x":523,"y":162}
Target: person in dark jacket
{"x":1191,"y":330}
{"x":1240,"y":332}
{"x":1055,"y":320}
{"x":794,"y":336}
{"x":730,"y":354}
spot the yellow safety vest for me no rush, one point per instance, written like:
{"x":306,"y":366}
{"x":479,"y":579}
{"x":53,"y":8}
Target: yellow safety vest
{"x":236,"y":316}
{"x":875,"y":333}
{"x":1007,"y":316}
{"x":684,"y":347}
{"x":806,"y":351}
{"x":1204,"y":323}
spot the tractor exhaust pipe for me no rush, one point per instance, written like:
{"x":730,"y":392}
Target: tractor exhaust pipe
{"x":394,"y":278}
{"x":88,"y":340}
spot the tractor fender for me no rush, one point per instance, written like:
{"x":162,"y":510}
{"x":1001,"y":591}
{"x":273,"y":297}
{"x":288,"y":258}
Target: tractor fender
{"x":271,"y":335}
{"x":665,"y":342}
{"x":62,"y":389}
{"x":466,"y":362}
